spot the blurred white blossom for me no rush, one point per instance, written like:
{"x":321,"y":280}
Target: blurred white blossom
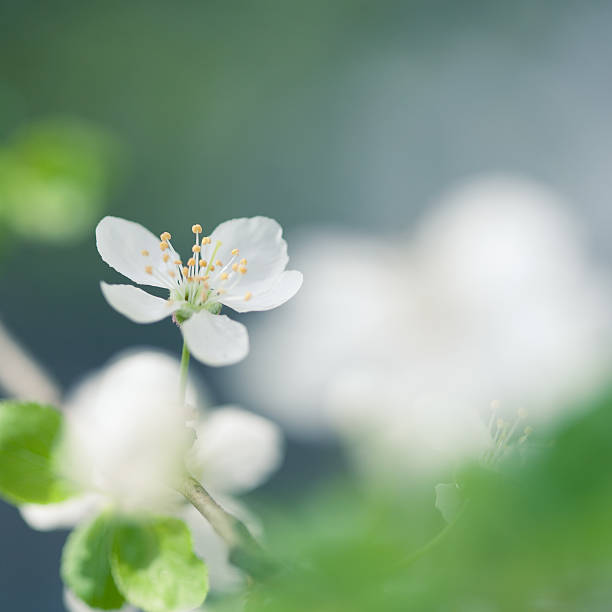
{"x":401,"y":343}
{"x":127,"y":439}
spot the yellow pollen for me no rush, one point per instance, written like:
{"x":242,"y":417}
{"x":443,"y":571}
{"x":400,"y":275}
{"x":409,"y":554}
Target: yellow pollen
{"x":165,"y":236}
{"x":247,"y":296}
{"x":242,"y":270}
{"x":224,"y":276}
{"x":191,"y":261}
{"x":185,"y":271}
{"x":144,"y":253}
{"x":234,"y":267}
{"x":178,"y":262}
{"x":203,"y":262}
{"x":149,"y":269}
{"x":218,"y":263}
{"x":235,"y":251}
{"x":206,"y":240}
{"x":171,"y":274}
{"x":165,"y":257}
{"x":163,"y":245}
{"x":243,"y":262}
{"x":212,"y":268}
{"x":205,"y":278}
{"x":196,"y":229}
{"x":196,"y":248}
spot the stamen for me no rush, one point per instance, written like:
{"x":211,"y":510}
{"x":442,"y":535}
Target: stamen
{"x":243,"y":262}
{"x":223,"y":276}
{"x":149,"y":269}
{"x":165,"y":257}
{"x":242,"y":270}
{"x":235,"y":251}
{"x":247,"y":296}
{"x":235,"y":267}
{"x":165,"y":236}
{"x":144,"y":253}
{"x":191,"y":262}
{"x":203,"y":262}
{"x":196,"y":229}
{"x":206,"y":240}
{"x":163,"y":245}
{"x":196,"y":248}
{"x":178,"y":262}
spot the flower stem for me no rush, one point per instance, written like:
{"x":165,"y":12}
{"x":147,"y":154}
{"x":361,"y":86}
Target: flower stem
{"x":184,"y":372}
{"x":244,"y":551}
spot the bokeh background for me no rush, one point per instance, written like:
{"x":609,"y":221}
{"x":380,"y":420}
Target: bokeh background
{"x":346,"y":116}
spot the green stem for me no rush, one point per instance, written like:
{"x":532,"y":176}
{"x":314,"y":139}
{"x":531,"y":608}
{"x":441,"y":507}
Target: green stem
{"x":184,"y":372}
{"x":244,"y":550}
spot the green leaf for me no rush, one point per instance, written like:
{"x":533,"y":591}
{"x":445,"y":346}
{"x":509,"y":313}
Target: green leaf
{"x":86,"y":568}
{"x":449,"y":501}
{"x":29,"y":433}
{"x":155,"y":567}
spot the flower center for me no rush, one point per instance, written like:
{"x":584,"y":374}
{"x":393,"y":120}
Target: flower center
{"x":200,"y":281}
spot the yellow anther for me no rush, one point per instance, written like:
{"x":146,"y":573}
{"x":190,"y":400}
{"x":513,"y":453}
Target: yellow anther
{"x":196,"y":229}
{"x":191,"y":261}
{"x":243,"y":262}
{"x":171,"y":274}
{"x":165,"y":257}
{"x":178,"y":262}
{"x":196,"y":248}
{"x":212,"y":268}
{"x":163,"y":245}
{"x":247,"y":296}
{"x":235,"y":267}
{"x":185,"y":271}
{"x":235,"y":251}
{"x":144,"y":253}
{"x":203,"y":262}
{"x":218,"y":263}
{"x":242,"y":270}
{"x":165,"y":236}
{"x":205,"y":278}
{"x":206,"y":240}
{"x":224,"y":276}
{"x":149,"y":269}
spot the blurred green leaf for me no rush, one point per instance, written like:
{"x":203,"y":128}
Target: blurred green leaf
{"x":29,"y":434}
{"x":86,"y":569}
{"x":155,"y":567}
{"x":54,"y":178}
{"x":449,"y":501}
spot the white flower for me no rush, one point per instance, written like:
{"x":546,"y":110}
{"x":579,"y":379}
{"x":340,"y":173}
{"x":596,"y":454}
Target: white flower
{"x":125,"y":443}
{"x":217,"y":273}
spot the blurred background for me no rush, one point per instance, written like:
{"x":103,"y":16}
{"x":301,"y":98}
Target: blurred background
{"x":442,"y":174}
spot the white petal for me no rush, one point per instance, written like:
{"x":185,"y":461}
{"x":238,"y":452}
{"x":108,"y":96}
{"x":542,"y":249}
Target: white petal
{"x":74,"y":604}
{"x":62,"y":515}
{"x":121,"y":244}
{"x":260,"y":241}
{"x":136,"y":304}
{"x":235,"y":450}
{"x":215,"y":340}
{"x":284,"y":288}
